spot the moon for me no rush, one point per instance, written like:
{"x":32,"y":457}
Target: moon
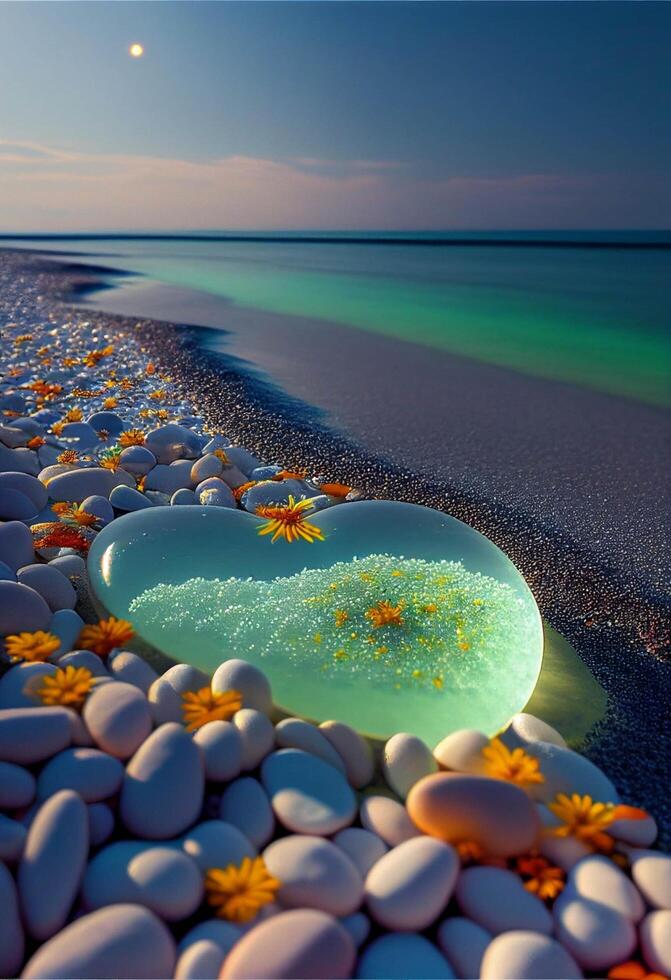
{"x":136,"y":50}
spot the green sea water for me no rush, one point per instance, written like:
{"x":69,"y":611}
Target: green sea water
{"x":599,"y":318}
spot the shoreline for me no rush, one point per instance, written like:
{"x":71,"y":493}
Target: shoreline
{"x":602,"y":617}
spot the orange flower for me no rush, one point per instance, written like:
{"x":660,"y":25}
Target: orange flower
{"x":68,"y":688}
{"x":220,"y":454}
{"x":72,"y":514}
{"x":633,"y":970}
{"x":32,"y":647}
{"x":584,"y":819}
{"x":515,"y":767}
{"x":540,"y":877}
{"x":237,"y":893}
{"x":57,"y":428}
{"x":384,"y":614}
{"x":205,"y":705}
{"x":132,"y":437}
{"x":105,"y":636}
{"x":289,"y":522}
{"x":35,"y":442}
{"x":289,"y":475}
{"x":110,"y":403}
{"x":68,"y":456}
{"x":73,"y":415}
{"x":239,"y":491}
{"x":57,"y":535}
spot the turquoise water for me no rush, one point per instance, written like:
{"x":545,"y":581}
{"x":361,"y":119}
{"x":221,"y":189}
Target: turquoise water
{"x":590,"y":316}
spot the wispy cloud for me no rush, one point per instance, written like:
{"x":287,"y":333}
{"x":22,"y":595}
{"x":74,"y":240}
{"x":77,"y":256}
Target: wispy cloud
{"x":52,"y":189}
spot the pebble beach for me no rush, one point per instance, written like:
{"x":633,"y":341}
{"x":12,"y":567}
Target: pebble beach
{"x":161,"y":822}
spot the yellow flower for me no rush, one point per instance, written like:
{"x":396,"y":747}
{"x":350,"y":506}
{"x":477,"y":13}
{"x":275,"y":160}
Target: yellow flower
{"x":57,"y":428}
{"x":384,"y":614}
{"x":132,"y":437}
{"x":237,"y":893}
{"x":515,"y":767}
{"x":73,"y":415}
{"x":105,"y":636}
{"x":220,"y":454}
{"x":69,"y":687}
{"x":289,"y":522}
{"x":206,"y":705}
{"x":341,"y":616}
{"x":72,"y":514}
{"x":110,"y":403}
{"x":584,"y":819}
{"x":31,"y":646}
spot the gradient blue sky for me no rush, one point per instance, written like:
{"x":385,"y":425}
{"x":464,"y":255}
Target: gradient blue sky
{"x":334,"y":115}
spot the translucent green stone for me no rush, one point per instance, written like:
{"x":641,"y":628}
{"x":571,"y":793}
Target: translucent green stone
{"x":401,"y":619}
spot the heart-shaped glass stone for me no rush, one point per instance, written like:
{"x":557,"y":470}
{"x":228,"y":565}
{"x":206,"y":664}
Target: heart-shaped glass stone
{"x":401,"y":619}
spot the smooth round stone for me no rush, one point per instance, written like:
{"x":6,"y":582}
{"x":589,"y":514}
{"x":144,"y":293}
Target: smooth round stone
{"x":66,"y":624}
{"x":387,"y":819}
{"x":409,"y":887}
{"x":498,"y":901}
{"x":497,"y":815}
{"x":28,"y":736}
{"x":222,"y":934}
{"x":464,"y":943}
{"x":69,"y":565}
{"x":84,"y":658}
{"x":79,"y":435}
{"x":169,"y":479}
{"x":594,"y":934}
{"x":651,"y":870}
{"x":137,"y":460}
{"x":216,"y":844}
{"x":524,"y":729}
{"x":403,"y":956}
{"x":655,"y":933}
{"x":163,"y":879}
{"x":361,"y":846}
{"x":51,"y":584}
{"x":294,"y":944}
{"x":598,"y":879}
{"x":176,"y":570}
{"x":27,"y":485}
{"x":12,"y":940}
{"x":358,"y":926}
{"x":81,"y":483}
{"x":15,"y":506}
{"x":171,"y":442}
{"x":162,"y":792}
{"x":205,"y":467}
{"x":201,"y":961}
{"x":13,"y":437}
{"x":314,"y":874}
{"x":16,"y":545}
{"x":215,"y":493}
{"x":165,"y":694}
{"x":252,"y":683}
{"x":307,"y":795}
{"x":53,"y":862}
{"x":639,"y":833}
{"x":406,"y":760}
{"x":118,"y":718}
{"x":234,"y":477}
{"x":157,"y":498}
{"x":462,"y":752}
{"x":17,"y":785}
{"x":273,"y":494}
{"x":221,"y":746}
{"x":568,"y":772}
{"x":563,"y":852}
{"x":243,"y":459}
{"x":101,"y":823}
{"x":110,"y":421}
{"x":22,"y":609}
{"x":294,"y":733}
{"x":18,"y":460}
{"x":18,"y":684}
{"x":55,"y":469}
{"x":100,"y":507}
{"x":128,"y":667}
{"x":257,"y":735}
{"x":354,"y":751}
{"x":122,"y":941}
{"x":128,"y":499}
{"x":244,"y":803}
{"x":183,"y":497}
{"x":6,"y":574}
{"x":12,"y":840}
{"x":93,"y":774}
{"x":527,"y":956}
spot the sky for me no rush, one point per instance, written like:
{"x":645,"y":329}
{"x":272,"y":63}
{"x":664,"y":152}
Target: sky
{"x":334,"y":115}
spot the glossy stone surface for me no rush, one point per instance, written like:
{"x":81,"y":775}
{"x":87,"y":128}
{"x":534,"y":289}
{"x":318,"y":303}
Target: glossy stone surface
{"x":463,"y":651}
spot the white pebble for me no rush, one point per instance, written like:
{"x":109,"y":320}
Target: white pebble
{"x":221,"y":745}
{"x":405,"y":760}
